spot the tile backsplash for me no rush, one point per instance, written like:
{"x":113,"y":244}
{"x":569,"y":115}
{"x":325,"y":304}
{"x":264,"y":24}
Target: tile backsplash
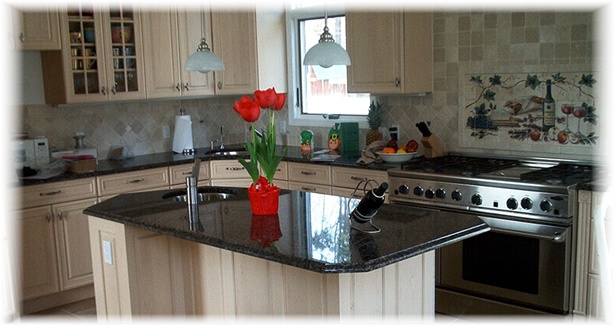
{"x":464,"y":43}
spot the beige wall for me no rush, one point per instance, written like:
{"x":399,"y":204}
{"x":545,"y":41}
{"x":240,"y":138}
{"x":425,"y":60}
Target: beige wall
{"x":464,"y":42}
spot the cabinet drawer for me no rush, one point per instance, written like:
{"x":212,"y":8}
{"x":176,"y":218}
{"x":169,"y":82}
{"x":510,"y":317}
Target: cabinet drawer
{"x":133,"y":181}
{"x":307,"y":187}
{"x":38,"y":195}
{"x":281,"y":173}
{"x":227,"y":169}
{"x":350,"y":177}
{"x":178,"y":173}
{"x":314,"y":174}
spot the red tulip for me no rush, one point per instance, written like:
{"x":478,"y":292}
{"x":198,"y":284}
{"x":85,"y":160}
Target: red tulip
{"x":279,"y":104}
{"x":266,"y":99}
{"x":247,"y":108}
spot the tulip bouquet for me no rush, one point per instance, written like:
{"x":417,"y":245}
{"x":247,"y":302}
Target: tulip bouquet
{"x":262,"y":150}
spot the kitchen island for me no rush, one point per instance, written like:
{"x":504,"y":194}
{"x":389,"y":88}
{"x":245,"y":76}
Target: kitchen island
{"x":307,"y":260}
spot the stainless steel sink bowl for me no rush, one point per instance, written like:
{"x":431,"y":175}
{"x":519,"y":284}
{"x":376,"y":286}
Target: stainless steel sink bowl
{"x":203,"y":196}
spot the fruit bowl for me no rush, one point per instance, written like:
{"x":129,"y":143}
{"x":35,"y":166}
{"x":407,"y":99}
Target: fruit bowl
{"x":395,"y":157}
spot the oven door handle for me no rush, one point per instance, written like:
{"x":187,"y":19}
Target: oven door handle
{"x":538,"y":231}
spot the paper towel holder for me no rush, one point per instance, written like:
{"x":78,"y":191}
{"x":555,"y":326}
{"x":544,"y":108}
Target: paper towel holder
{"x":185,"y":151}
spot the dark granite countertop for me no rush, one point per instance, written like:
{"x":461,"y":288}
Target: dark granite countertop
{"x":170,"y":158}
{"x":311,"y":231}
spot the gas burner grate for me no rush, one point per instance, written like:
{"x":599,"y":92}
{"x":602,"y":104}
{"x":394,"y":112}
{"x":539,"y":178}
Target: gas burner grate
{"x":562,"y":174}
{"x":459,"y":165}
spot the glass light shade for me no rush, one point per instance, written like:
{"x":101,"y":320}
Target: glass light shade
{"x":326,"y":54}
{"x":203,"y":60}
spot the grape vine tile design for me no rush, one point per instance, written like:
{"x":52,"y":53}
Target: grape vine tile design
{"x":511,"y":104}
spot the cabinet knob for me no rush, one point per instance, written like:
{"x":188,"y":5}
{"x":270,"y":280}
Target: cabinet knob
{"x":397,"y":82}
{"x":219,"y":85}
{"x":104,"y":90}
{"x":186,"y":87}
{"x":177,"y":87}
{"x":113,"y":90}
{"x":59,"y":214}
{"x":48,"y":216}
{"x":22,"y":37}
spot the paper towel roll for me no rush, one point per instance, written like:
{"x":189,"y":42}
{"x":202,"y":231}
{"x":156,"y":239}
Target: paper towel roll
{"x":182,"y":137}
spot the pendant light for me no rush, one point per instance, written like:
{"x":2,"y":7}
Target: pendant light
{"x":203,"y":60}
{"x":326,"y":53}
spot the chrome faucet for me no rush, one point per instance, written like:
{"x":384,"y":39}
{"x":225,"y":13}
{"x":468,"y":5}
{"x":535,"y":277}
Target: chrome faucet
{"x":221,"y":137}
{"x":257,"y":132}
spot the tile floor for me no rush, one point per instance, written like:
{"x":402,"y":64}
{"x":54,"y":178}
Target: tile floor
{"x":79,"y":311}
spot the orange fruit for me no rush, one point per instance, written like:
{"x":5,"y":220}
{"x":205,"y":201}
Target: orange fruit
{"x":388,"y":149}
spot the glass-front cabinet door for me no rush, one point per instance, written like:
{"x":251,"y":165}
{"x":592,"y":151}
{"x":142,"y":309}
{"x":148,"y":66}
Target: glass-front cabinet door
{"x":125,"y":69}
{"x":101,"y":55}
{"x":84,"y":64}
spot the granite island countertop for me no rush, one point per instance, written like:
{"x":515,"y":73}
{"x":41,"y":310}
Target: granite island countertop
{"x":311,"y":231}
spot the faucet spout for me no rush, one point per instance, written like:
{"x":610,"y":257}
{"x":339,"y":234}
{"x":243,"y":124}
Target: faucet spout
{"x":257,"y":132}
{"x":221,"y":137}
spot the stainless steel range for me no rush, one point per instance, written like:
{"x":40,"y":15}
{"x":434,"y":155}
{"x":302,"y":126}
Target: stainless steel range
{"x":524,"y":264}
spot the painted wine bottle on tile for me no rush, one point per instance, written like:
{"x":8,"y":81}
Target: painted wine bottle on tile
{"x":548,"y":110}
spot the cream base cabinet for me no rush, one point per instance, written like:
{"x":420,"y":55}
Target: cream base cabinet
{"x":37,"y":29}
{"x":394,"y":51}
{"x":172,"y":35}
{"x":54,"y":254}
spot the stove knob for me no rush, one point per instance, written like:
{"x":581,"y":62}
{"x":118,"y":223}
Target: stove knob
{"x":546,"y":206}
{"x":456,"y":195}
{"x":512,"y":203}
{"x":418,"y":191}
{"x":440,"y":194}
{"x":527,"y":204}
{"x":477,"y":199}
{"x":429,"y":194}
{"x":404,"y":189}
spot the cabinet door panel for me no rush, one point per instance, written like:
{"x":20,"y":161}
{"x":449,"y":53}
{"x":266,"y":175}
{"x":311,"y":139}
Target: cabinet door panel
{"x":39,"y":275}
{"x":160,"y":34}
{"x":192,"y":26}
{"x":38,"y":30}
{"x":374,"y":43}
{"x":73,"y":243}
{"x":234,"y":40}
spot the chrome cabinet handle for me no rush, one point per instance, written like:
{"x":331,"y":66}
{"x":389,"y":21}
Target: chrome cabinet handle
{"x":48,"y":217}
{"x":186,"y":87}
{"x":50,"y":193}
{"x":397,"y":82}
{"x":309,"y":173}
{"x":59,"y":214}
{"x":113,"y":90}
{"x":235,"y":168}
{"x":187,"y":173}
{"x":308,"y":188}
{"x":138,"y":180}
{"x":178,"y":87}
{"x":22,"y":37}
{"x":356,"y":178}
{"x":104,"y":90}
{"x":219,"y":85}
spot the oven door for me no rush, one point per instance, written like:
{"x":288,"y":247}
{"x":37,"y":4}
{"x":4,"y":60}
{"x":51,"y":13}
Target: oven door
{"x":517,"y":263}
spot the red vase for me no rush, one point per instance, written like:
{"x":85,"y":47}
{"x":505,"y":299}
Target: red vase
{"x":264,"y":202}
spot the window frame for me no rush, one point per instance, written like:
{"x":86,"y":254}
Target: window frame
{"x":295,"y":116}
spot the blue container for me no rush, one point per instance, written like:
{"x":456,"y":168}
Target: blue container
{"x":89,"y":35}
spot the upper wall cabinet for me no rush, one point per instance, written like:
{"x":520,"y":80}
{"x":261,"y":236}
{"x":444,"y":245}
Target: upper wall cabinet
{"x":251,"y":45}
{"x":171,"y":36}
{"x":391,"y":52}
{"x":37,"y":30}
{"x":101,"y":57}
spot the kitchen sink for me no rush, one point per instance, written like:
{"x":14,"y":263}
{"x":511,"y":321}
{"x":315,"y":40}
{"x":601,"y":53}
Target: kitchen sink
{"x":202,"y":196}
{"x":228,"y":153}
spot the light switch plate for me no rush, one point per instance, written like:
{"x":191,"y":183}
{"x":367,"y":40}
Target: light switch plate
{"x":107,"y":252}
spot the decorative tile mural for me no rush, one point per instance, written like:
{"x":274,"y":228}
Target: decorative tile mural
{"x":509,"y":108}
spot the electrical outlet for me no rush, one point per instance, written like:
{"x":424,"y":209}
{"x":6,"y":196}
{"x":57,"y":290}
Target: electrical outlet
{"x":166,"y":132}
{"x":282,"y":126}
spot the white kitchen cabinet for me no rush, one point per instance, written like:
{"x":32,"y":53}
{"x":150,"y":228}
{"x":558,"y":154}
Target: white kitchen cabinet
{"x":172,"y":35}
{"x":178,"y":174}
{"x":54,"y":252}
{"x":309,"y":177}
{"x":391,"y":52}
{"x":594,"y":249}
{"x":37,"y":29}
{"x":252,"y":47}
{"x":134,"y":181}
{"x":101,"y":57}
{"x":229,"y":173}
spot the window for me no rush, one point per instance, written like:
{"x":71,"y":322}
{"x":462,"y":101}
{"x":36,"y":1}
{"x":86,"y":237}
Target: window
{"x":319,"y":92}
